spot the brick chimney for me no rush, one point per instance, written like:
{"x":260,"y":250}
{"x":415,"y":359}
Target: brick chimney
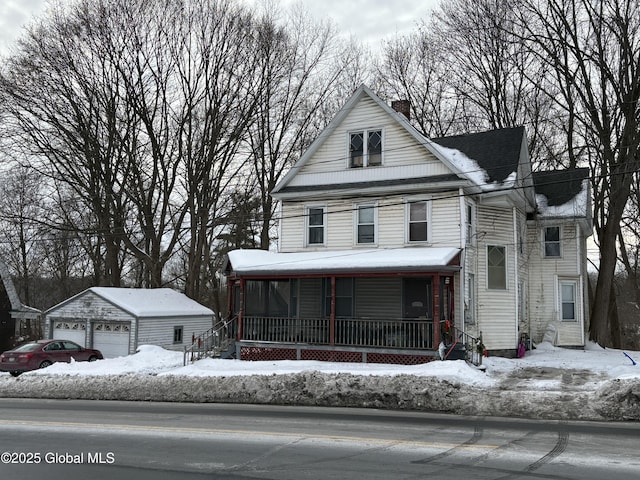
{"x":402,"y":106}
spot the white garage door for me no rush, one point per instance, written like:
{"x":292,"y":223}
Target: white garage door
{"x":74,"y":331}
{"x":112,"y":339}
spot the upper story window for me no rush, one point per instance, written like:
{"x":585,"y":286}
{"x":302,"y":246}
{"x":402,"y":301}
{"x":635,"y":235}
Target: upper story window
{"x":419,"y":215}
{"x":366,"y":223}
{"x":496,"y":267}
{"x":552,"y":241}
{"x":471,"y":228}
{"x":365,"y":148}
{"x":316,"y":225}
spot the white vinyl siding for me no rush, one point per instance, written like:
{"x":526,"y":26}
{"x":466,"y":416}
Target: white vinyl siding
{"x":496,"y":308}
{"x":399,"y":150}
{"x":545,"y":277}
{"x":159,"y":331}
{"x":391,"y":224}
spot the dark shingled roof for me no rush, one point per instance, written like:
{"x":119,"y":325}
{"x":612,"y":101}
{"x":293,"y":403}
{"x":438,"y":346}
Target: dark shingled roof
{"x":372,"y":184}
{"x":560,"y":186}
{"x":496,"y":151}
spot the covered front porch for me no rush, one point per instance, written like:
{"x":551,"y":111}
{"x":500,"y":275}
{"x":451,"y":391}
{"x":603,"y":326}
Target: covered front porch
{"x":391,"y":306}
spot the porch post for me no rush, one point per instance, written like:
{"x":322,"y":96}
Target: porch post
{"x":436,"y":310}
{"x":231,"y":286}
{"x":241,"y":312}
{"x":332,"y":317}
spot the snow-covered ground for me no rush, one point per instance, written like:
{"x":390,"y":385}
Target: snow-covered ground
{"x":549,"y":382}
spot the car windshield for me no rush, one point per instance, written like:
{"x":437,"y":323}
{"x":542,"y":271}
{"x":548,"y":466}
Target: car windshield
{"x":27,"y":347}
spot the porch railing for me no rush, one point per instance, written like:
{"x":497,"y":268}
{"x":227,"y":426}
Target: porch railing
{"x":360,"y":332}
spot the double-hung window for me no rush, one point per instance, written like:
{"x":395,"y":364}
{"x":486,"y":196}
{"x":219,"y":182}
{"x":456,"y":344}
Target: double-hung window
{"x":418,"y":219}
{"x":365,"y":148}
{"x":551,"y":241}
{"x":316,"y":225}
{"x":568,"y":304}
{"x":366,"y":224}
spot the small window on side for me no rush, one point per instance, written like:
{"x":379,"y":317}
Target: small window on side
{"x":177,"y":334}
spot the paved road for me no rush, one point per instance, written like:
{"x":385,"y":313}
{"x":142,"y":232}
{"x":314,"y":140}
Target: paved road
{"x":57,"y":439}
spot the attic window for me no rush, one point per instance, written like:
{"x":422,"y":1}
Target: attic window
{"x":365,"y":148}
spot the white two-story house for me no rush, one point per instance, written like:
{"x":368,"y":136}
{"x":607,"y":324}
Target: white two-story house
{"x":392,"y":244}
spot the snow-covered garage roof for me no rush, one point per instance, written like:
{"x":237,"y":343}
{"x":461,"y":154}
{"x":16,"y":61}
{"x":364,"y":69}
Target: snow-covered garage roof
{"x":262,"y":262}
{"x":147,"y":302}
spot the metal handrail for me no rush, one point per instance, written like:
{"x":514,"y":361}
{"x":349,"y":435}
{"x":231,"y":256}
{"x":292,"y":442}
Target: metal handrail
{"x":211,"y":342}
{"x":474,"y":348}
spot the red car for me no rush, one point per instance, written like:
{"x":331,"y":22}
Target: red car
{"x":41,"y":354}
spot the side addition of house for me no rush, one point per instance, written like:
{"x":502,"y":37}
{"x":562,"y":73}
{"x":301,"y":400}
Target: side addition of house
{"x":392,"y":245}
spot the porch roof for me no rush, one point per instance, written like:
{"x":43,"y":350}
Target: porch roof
{"x":382,"y":260}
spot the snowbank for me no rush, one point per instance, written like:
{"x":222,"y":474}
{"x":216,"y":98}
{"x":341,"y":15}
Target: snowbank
{"x":549,"y":382}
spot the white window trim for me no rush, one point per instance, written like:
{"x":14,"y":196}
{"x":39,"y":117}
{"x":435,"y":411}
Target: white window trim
{"x":407,"y":221}
{"x":544,"y":242}
{"x":577,"y":302}
{"x":307,"y":215}
{"x":356,"y":210}
{"x":470,"y":300}
{"x":470,"y":231}
{"x":365,"y":153}
{"x":506,"y":268}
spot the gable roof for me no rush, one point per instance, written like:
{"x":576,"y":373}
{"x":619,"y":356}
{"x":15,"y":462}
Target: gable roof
{"x":360,"y":93}
{"x":497,"y":152}
{"x":147,"y":302}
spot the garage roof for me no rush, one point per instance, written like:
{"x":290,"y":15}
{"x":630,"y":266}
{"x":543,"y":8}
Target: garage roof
{"x":147,"y":302}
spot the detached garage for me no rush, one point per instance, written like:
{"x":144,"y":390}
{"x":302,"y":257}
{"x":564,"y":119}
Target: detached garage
{"x":117,"y":320}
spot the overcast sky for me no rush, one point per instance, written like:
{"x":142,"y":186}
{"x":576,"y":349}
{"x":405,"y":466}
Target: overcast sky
{"x":368,"y":20}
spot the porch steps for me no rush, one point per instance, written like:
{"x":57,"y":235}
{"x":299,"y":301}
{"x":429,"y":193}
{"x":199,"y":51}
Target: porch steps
{"x":217,"y":342}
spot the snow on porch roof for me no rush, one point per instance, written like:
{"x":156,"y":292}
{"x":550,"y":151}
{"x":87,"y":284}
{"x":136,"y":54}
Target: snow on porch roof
{"x":410,"y":259}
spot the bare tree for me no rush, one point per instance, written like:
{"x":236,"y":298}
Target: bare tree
{"x":21,"y":204}
{"x":61,"y":100}
{"x":302,"y":67}
{"x":216,"y":64}
{"x":466,"y":69}
{"x":416,"y":68}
